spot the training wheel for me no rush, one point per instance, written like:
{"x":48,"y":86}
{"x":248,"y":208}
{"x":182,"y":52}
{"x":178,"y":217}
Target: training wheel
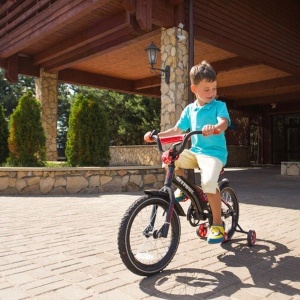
{"x":251,"y":237}
{"x":202,"y":231}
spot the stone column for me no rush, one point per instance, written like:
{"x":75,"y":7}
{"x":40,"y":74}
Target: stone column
{"x":174,"y":97}
{"x":46,"y":93}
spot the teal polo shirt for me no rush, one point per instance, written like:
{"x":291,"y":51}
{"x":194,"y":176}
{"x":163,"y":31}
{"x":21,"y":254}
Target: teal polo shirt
{"x":194,"y":117}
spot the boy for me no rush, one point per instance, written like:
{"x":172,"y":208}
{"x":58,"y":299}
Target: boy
{"x":208,"y":151}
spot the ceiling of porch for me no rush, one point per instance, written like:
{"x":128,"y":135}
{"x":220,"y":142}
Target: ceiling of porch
{"x":101,"y":43}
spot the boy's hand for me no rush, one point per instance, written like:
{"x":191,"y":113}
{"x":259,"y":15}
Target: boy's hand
{"x":209,"y":130}
{"x":147,"y":137}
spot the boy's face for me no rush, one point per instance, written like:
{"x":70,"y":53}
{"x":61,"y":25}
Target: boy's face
{"x":205,"y":91}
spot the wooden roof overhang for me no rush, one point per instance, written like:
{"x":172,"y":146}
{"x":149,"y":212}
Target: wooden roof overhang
{"x":252,"y":44}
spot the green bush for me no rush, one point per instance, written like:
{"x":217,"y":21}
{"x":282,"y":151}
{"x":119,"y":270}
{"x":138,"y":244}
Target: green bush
{"x":27,"y":140}
{"x":87,"y":138}
{"x":3,"y":136}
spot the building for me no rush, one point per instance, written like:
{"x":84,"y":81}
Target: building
{"x":252,"y":44}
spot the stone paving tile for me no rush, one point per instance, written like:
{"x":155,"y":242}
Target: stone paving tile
{"x":66,"y":248}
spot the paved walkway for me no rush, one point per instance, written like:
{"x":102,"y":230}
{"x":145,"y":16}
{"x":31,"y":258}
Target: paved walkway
{"x":66,"y":248}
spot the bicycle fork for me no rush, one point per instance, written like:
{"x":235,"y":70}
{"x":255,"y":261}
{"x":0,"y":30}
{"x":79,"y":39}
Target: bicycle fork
{"x":163,"y":231}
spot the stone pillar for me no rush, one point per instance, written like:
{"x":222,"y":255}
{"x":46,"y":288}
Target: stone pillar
{"x":46,"y":93}
{"x":174,"y":97}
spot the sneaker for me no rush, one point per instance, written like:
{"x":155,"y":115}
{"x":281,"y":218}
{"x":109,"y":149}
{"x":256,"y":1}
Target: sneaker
{"x":180,"y":196}
{"x":216,"y":234}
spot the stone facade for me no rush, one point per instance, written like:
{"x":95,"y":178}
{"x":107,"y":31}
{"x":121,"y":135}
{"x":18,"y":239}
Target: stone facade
{"x":290,"y":168}
{"x":174,"y":96}
{"x":46,"y":92}
{"x":139,"y":155}
{"x":62,"y":181}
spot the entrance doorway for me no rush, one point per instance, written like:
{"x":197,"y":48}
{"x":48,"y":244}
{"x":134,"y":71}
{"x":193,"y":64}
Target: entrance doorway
{"x":286,"y":138}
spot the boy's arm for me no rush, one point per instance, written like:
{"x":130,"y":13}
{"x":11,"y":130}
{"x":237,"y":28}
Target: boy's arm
{"x":169,"y":132}
{"x":222,"y":124}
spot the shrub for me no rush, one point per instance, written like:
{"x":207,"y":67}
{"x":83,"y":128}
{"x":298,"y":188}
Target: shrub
{"x":27,"y":140}
{"x":3,"y":136}
{"x":87,"y":138}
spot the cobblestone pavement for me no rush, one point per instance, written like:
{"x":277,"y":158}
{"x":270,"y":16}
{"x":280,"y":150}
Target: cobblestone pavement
{"x":66,"y":248}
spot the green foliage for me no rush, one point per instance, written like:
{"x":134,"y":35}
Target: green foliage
{"x":130,"y":116}
{"x":10,"y":93}
{"x":27,"y":141}
{"x":3,"y":136}
{"x":87,"y":143}
{"x":63,"y":112}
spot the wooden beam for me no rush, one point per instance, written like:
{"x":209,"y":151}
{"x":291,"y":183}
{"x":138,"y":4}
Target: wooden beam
{"x":72,"y":76}
{"x":7,"y":5}
{"x":11,"y":71}
{"x":145,"y":83}
{"x":144,"y":14}
{"x":129,"y":5}
{"x":239,"y":31}
{"x":175,"y":2}
{"x":57,"y":16}
{"x":22,"y":10}
{"x":291,"y":97}
{"x":163,"y":14}
{"x":103,"y":28}
{"x":232,"y":63}
{"x":208,"y":36}
{"x":3,"y":63}
{"x":104,"y":45}
{"x":261,"y":85}
{"x":26,"y":67}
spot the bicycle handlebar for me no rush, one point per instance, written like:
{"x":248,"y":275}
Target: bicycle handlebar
{"x":176,"y":139}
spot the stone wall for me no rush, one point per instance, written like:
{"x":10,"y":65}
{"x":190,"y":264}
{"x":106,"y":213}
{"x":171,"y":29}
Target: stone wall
{"x":61,"y":180}
{"x":290,"y":168}
{"x":139,"y":155}
{"x":143,"y":155}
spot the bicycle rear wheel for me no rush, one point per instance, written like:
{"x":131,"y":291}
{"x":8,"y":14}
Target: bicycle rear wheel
{"x":141,"y":248}
{"x":230,"y":211}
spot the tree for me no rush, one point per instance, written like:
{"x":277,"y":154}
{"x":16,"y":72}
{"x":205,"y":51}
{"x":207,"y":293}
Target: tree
{"x":63,"y":112}
{"x":3,"y":136}
{"x":27,"y":141}
{"x":87,"y":143}
{"x":130,"y":116}
{"x":10,"y":93}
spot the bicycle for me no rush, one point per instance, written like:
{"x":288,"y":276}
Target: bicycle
{"x":149,"y":232}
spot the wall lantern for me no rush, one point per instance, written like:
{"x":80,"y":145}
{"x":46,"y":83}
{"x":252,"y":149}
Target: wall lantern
{"x":152,"y":52}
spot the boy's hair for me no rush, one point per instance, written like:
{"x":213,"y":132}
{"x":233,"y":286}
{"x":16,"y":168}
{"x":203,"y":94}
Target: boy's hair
{"x":202,"y":71}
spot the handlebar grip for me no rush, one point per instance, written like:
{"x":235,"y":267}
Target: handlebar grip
{"x":172,"y":139}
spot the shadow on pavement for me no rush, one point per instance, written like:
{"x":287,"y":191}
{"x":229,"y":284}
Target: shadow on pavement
{"x":268,"y":267}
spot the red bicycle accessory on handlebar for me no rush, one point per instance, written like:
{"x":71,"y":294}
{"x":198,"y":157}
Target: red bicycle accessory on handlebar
{"x":172,"y":139}
{"x":167,"y":157}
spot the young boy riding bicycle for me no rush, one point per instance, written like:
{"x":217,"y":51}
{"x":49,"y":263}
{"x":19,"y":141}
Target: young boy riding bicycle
{"x":208,"y":151}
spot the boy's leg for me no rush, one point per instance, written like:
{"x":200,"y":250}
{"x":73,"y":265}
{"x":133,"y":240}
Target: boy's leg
{"x":215,"y":205}
{"x":186,"y":160}
{"x":210,"y":170}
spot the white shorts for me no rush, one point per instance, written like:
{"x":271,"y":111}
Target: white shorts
{"x":210,"y":168}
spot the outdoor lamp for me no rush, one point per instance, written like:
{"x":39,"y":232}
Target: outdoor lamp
{"x":152,"y":52}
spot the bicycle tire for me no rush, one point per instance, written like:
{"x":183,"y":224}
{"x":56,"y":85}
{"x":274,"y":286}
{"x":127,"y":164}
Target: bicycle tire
{"x":230,"y":215}
{"x":142,"y":252}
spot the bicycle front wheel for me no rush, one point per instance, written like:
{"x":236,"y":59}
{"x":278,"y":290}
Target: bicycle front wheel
{"x":142,"y":249}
